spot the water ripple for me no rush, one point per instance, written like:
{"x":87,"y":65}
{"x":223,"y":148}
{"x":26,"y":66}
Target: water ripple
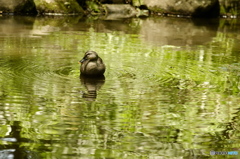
{"x":28,"y":70}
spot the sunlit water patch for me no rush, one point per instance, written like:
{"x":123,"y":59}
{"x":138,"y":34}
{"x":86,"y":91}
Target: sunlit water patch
{"x":161,"y":97}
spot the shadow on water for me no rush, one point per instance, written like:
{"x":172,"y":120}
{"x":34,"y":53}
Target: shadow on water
{"x":155,"y":30}
{"x":16,"y":24}
{"x":14,"y":150}
{"x":178,"y":32}
{"x":92,"y":84}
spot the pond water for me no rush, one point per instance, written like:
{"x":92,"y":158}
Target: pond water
{"x":171,"y":88}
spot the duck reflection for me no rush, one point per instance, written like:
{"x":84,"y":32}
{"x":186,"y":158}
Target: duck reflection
{"x":92,"y":84}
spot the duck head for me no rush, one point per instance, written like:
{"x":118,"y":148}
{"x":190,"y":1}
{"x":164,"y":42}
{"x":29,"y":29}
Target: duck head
{"x":89,"y":55}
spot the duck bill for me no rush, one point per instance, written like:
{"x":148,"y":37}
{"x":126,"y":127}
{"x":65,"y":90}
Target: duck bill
{"x":81,"y":61}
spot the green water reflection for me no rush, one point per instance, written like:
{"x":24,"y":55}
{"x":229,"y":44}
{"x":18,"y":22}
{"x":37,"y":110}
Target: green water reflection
{"x":171,"y":88}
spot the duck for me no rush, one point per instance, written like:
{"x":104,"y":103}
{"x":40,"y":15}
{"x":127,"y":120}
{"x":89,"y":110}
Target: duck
{"x":92,"y":64}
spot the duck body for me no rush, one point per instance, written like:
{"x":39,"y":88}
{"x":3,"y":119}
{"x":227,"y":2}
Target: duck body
{"x":92,"y":64}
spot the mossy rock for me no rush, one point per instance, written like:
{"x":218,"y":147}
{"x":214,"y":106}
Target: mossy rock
{"x":19,"y":7}
{"x":58,"y":6}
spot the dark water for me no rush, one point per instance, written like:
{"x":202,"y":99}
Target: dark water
{"x":171,"y":88}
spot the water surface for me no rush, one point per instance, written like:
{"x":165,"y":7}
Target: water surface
{"x":171,"y":88}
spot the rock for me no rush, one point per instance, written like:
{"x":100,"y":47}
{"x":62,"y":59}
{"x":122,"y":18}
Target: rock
{"x":115,"y":11}
{"x":55,"y":7}
{"x":120,"y":8}
{"x":20,"y":6}
{"x":113,"y":1}
{"x":197,"y":8}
